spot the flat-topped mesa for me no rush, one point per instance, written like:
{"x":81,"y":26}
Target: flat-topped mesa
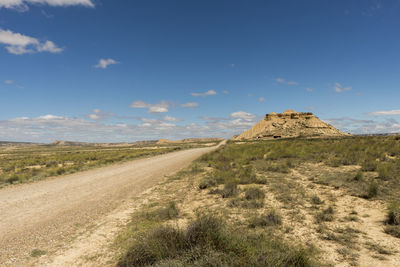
{"x":289,"y":114}
{"x":290,"y":124}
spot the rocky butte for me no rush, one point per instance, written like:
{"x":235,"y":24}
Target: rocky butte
{"x":290,"y":124}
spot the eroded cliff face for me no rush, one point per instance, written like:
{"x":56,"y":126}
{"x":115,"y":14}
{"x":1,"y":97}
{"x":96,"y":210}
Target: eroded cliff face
{"x":290,"y":124}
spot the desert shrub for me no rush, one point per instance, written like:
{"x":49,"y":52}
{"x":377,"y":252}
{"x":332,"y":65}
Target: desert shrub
{"x":230,"y":190}
{"x":316,"y":200}
{"x":168,"y":212}
{"x":246,"y":175}
{"x":372,"y":190}
{"x":326,"y":215}
{"x":12,"y":179}
{"x":384,"y":171}
{"x":254,"y":193}
{"x":51,"y":163}
{"x":393,"y":215}
{"x":207,"y":182}
{"x":393,"y":230}
{"x":369,"y":165}
{"x":359,"y":176}
{"x":209,"y":241}
{"x":37,"y":252}
{"x":271,"y":218}
{"x":160,"y":243}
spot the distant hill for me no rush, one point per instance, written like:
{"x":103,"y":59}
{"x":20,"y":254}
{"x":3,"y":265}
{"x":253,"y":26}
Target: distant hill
{"x":73,"y":143}
{"x":8,"y":143}
{"x":188,"y":140}
{"x":289,"y":124}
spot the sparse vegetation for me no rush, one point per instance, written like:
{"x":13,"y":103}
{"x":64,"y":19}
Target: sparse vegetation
{"x":393,"y":219}
{"x":37,"y":252}
{"x":252,"y":193}
{"x":304,"y":179}
{"x":208,"y":241}
{"x":271,"y":218}
{"x":34,"y":162}
{"x":326,"y":215}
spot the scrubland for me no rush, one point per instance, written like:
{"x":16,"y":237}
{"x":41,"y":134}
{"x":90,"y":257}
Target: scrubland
{"x":291,"y":202}
{"x":26,"y":163}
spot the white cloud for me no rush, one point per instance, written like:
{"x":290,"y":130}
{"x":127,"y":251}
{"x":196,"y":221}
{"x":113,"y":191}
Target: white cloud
{"x":104,"y":63}
{"x":161,"y":107}
{"x":225,"y":92}
{"x":308,"y":89}
{"x":19,"y":44}
{"x":8,"y":81}
{"x":261,"y":99}
{"x":51,"y":127}
{"x":22,"y":5}
{"x":170,"y":118}
{"x":49,"y":46}
{"x":243,"y":115}
{"x":281,"y":80}
{"x":340,"y":89}
{"x":208,"y":93}
{"x":97,"y":114}
{"x":233,"y":65}
{"x":357,"y":126}
{"x":189,"y":105}
{"x":385,"y":112}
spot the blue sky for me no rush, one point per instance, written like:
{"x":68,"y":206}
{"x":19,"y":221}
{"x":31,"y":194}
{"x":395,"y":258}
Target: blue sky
{"x":113,"y":71}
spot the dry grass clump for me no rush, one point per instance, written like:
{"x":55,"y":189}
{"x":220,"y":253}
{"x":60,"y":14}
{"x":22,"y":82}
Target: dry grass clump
{"x":393,"y":219}
{"x":271,"y":218}
{"x":252,"y":193}
{"x":326,"y":215}
{"x":208,"y":241}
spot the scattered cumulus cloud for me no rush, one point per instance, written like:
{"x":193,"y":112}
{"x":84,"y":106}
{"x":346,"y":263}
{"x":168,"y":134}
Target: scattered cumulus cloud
{"x":261,"y":99}
{"x":8,"y":81}
{"x":170,"y":118}
{"x":225,"y":92}
{"x":233,"y":65}
{"x":308,"y":89}
{"x":243,"y":115}
{"x":340,"y":89}
{"x":104,"y":63}
{"x":19,"y":44}
{"x":22,"y":5}
{"x":385,"y":113}
{"x":52,"y":127}
{"x":208,"y":93}
{"x":283,"y":81}
{"x":160,"y":107}
{"x":189,"y":105}
{"x":357,"y":126}
{"x":97,"y":114}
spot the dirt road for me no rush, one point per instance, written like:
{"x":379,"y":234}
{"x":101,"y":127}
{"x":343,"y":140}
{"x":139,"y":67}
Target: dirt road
{"x":43,"y":217}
